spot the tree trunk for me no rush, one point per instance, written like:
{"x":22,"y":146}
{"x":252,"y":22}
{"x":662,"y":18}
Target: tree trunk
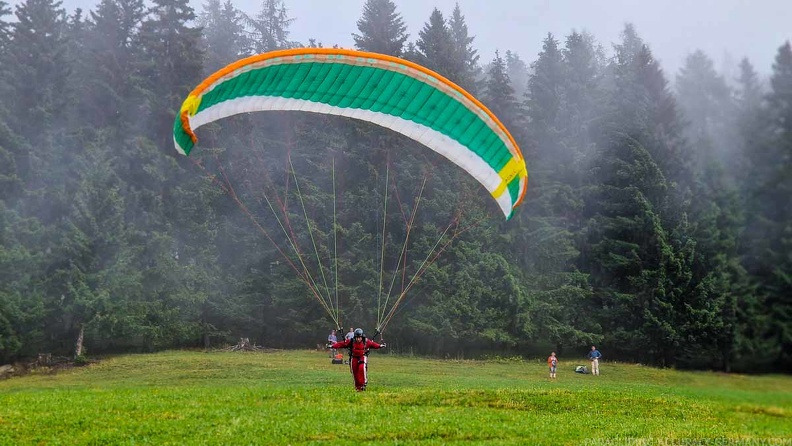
{"x":78,"y":348}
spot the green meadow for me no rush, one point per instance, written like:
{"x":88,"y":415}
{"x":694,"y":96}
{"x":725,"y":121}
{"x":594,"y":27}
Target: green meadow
{"x":299,"y":397}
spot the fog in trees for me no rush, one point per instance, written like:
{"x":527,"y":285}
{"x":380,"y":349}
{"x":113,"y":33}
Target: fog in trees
{"x":656,"y":222}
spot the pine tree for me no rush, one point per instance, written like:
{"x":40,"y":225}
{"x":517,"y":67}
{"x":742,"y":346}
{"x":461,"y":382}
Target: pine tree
{"x":559,"y":291}
{"x":748,"y":103}
{"x":706,"y":102}
{"x":436,"y":48}
{"x":749,"y":94}
{"x":518,"y":73}
{"x":715,"y":216}
{"x":499,"y":96}
{"x":769,"y":229}
{"x":40,"y":97}
{"x":630,"y":254}
{"x":171,"y":63}
{"x":465,"y":54}
{"x":542,"y":104}
{"x":382,"y":29}
{"x":224,"y":36}
{"x":105,"y":81}
{"x":641,"y":245}
{"x":645,"y":106}
{"x":270,"y":27}
{"x":38,"y":71}
{"x":582,"y":109}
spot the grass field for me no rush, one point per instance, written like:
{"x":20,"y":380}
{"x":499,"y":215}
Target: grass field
{"x":298,"y":397}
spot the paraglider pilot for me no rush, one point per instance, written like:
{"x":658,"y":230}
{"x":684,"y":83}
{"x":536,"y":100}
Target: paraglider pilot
{"x":359,"y":347}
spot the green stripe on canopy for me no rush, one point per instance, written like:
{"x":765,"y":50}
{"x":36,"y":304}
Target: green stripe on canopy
{"x":387,"y":91}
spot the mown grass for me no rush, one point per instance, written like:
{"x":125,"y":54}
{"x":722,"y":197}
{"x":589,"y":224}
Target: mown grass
{"x":298,"y":397}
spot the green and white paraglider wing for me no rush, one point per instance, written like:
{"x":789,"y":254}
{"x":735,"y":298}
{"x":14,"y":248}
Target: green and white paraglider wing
{"x":391,"y":92}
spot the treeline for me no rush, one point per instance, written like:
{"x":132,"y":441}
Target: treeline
{"x":657,"y":225}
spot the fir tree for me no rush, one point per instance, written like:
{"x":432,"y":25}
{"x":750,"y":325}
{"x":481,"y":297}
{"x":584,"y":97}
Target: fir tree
{"x":436,"y":48}
{"x":543,"y":102}
{"x":382,"y":29}
{"x":769,"y":229}
{"x":582,"y":108}
{"x":749,"y":94}
{"x":630,"y":254}
{"x":644,"y":106}
{"x":642,"y":250}
{"x":224,"y":36}
{"x":465,"y":54}
{"x":38,"y":71}
{"x":748,"y":120}
{"x":270,"y":27}
{"x":106,"y":82}
{"x":559,"y":291}
{"x":707,"y":104}
{"x":499,"y":96}
{"x":518,"y":73}
{"x":171,"y":63}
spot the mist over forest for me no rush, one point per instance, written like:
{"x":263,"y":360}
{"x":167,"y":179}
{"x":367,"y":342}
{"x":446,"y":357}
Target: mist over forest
{"x":657,"y":223}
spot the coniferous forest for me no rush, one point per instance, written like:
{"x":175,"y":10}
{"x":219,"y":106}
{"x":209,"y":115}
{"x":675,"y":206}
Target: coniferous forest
{"x":657,"y":223}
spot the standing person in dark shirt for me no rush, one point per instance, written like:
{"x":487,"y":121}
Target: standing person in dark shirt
{"x":594,"y":355}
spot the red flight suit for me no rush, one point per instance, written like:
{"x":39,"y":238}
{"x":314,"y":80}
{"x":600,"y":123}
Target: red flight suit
{"x":358,"y":359}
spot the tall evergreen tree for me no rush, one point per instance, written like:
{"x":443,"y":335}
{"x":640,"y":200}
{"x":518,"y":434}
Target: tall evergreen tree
{"x":749,"y":347}
{"x":270,"y":27}
{"x":559,"y":290}
{"x":518,"y":73}
{"x":40,"y":97}
{"x":499,"y":96}
{"x":382,"y":29}
{"x":105,"y":80}
{"x":645,"y":106}
{"x":465,"y":54}
{"x":582,"y":109}
{"x":706,"y":102}
{"x":748,"y":105}
{"x":715,"y":215}
{"x":639,"y":248}
{"x":629,"y":254}
{"x":224,"y":38}
{"x":171,"y":63}
{"x":749,"y":93}
{"x":38,"y":71}
{"x":718,"y":282}
{"x":769,"y":228}
{"x":542,"y":104}
{"x":436,"y":48}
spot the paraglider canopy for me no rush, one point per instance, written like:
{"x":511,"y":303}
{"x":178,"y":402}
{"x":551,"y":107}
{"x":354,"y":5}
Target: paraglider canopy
{"x":388,"y":91}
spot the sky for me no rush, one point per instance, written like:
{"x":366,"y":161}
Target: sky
{"x":727,"y":30}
